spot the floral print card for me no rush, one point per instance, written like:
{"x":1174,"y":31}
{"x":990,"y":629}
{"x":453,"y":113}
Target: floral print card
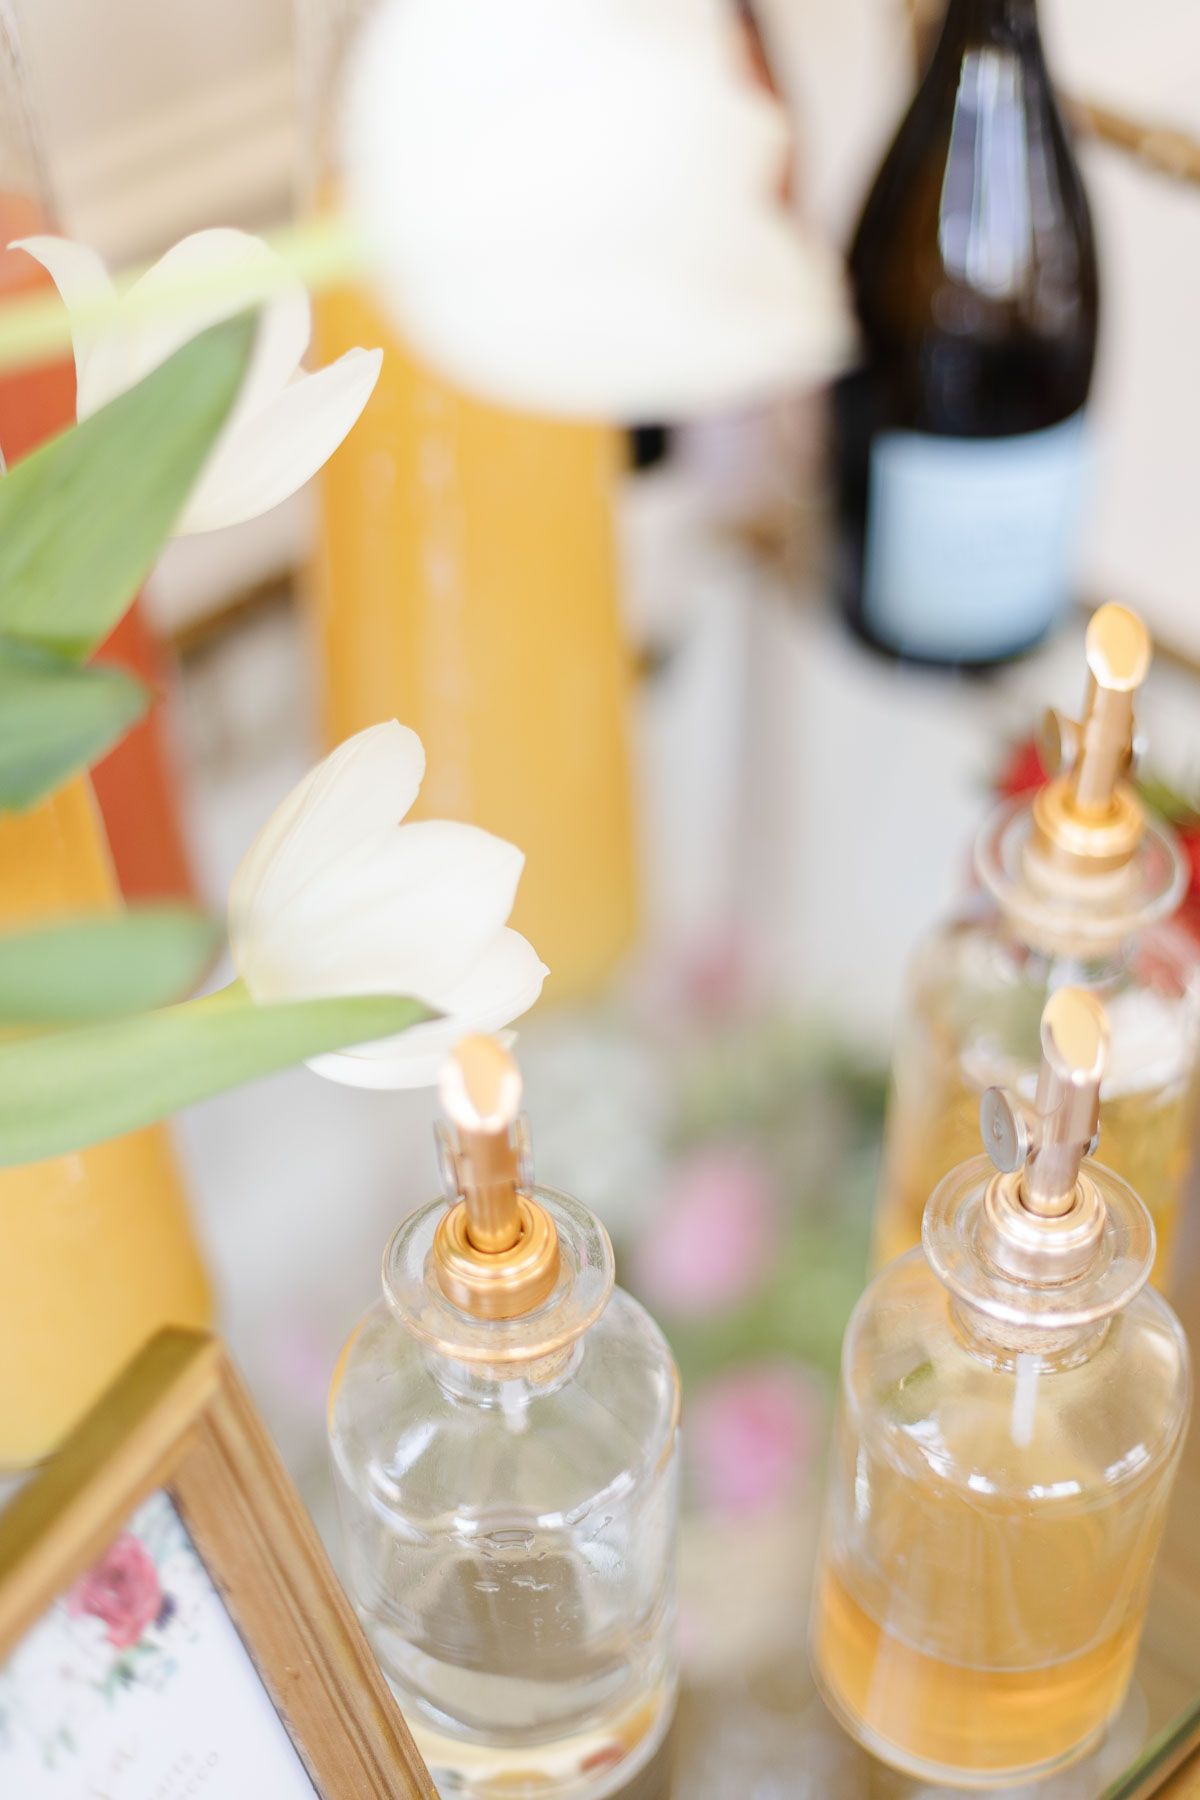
{"x":136,"y":1686}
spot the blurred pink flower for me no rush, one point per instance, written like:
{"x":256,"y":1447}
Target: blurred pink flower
{"x":121,"y":1590}
{"x":716,"y":979}
{"x":299,"y":1358}
{"x":711,"y":1243}
{"x":752,"y":1435}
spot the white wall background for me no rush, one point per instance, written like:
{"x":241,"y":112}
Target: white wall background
{"x":161,"y":115}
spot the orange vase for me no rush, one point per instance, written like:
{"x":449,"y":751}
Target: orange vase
{"x":96,"y":1249}
{"x":135,"y":781}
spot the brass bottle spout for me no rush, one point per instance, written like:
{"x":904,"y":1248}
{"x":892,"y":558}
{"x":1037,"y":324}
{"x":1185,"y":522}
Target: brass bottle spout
{"x":481,"y":1094}
{"x":1118,"y":658}
{"x":1088,"y":819}
{"x":1067,"y":1106}
{"x":1043,"y":1219}
{"x":496,"y":1250}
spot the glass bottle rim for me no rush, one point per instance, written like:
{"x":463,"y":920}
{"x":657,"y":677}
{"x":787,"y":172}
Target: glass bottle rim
{"x":1155,"y":883}
{"x":950,"y":1236}
{"x":587,"y":1275}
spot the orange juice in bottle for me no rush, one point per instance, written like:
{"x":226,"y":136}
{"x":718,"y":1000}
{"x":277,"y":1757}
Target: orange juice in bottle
{"x":468,"y":585}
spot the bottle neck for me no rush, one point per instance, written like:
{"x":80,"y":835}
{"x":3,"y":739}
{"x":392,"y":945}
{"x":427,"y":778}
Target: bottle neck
{"x":1045,"y":965}
{"x":967,"y":22}
{"x":1012,"y":1348}
{"x":509,"y":1387}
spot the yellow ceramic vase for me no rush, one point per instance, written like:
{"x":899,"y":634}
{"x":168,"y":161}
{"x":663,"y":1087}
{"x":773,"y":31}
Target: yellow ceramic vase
{"x":96,"y":1249}
{"x":468,"y":586}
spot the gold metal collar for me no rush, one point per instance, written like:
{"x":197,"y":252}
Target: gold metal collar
{"x":495,"y":1251}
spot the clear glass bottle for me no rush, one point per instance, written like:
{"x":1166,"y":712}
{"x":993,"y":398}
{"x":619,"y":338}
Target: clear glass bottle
{"x":1013,"y":1403}
{"x":1078,"y":887}
{"x":504,"y":1426}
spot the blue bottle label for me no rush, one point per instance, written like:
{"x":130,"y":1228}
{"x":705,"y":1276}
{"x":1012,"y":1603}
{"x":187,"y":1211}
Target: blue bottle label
{"x":970,"y":541}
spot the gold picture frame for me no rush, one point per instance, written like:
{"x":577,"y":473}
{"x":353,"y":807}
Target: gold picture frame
{"x":179,"y":1419}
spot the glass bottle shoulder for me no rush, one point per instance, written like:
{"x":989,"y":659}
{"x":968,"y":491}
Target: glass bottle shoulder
{"x":419,"y":1434}
{"x":978,"y":989}
{"x":936,"y":1400}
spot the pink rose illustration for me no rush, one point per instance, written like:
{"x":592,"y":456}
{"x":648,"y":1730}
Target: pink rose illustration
{"x":121,"y":1590}
{"x":753,"y":1436}
{"x":711,"y":1244}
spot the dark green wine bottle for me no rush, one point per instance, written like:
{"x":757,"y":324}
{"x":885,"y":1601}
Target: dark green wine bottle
{"x":961,"y":439}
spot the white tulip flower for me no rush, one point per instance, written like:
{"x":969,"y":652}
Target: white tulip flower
{"x":336,"y":896}
{"x":576,"y":206}
{"x":284,"y":424}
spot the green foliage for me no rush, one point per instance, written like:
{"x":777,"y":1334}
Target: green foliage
{"x":56,"y":717}
{"x":67,"y":1089}
{"x":83,"y":518}
{"x":97,"y":968}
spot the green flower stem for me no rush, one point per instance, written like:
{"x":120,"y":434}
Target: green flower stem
{"x":63,"y":1090}
{"x":321,"y":252}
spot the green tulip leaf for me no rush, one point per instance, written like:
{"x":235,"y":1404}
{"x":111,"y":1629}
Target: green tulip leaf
{"x":104,"y":966}
{"x":56,"y":717}
{"x":66,"y":1089}
{"x":84,"y":517}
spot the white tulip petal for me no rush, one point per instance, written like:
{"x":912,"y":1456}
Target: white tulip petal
{"x":335,"y":897}
{"x":503,"y":984}
{"x":364,"y":786}
{"x":208,"y":256}
{"x":647,"y":269}
{"x":671,"y":330}
{"x":81,"y":278}
{"x":282,"y":427}
{"x":265,"y":457}
{"x":407,"y":911}
{"x":417,"y":1058}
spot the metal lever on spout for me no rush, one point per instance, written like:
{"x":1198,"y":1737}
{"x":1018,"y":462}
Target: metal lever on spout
{"x":1049,"y":1140}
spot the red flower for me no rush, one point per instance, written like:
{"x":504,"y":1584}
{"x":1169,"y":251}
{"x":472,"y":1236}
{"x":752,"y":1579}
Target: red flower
{"x":121,"y":1590}
{"x":1022,"y":772}
{"x":1189,"y":912}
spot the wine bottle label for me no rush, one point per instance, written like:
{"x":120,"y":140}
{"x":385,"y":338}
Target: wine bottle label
{"x":970,"y":541}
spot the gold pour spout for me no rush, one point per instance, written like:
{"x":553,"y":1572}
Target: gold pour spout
{"x":1088,"y":818}
{"x":1047,"y":1141}
{"x":481,"y":1093}
{"x":1118,"y":658}
{"x":496,"y":1250}
{"x":1042,"y":1218}
{"x":1067,"y":1106}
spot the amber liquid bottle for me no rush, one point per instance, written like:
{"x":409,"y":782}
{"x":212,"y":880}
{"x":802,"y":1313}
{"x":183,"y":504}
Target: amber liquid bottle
{"x":1079,"y":885}
{"x":960,"y":442}
{"x":1014,"y":1400}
